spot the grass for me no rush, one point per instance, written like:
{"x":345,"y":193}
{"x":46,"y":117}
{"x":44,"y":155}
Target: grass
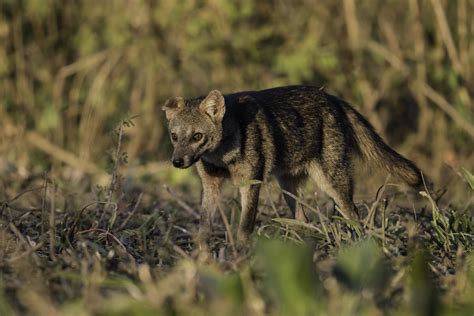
{"x":128,"y":249}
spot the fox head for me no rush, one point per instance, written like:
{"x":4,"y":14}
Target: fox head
{"x":195,"y":127}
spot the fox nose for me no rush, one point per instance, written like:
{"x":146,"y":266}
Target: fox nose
{"x":178,"y":162}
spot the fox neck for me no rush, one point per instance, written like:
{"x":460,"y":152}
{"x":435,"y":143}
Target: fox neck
{"x":227,"y":149}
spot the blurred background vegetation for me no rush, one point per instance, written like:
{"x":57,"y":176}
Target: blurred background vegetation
{"x":71,"y":70}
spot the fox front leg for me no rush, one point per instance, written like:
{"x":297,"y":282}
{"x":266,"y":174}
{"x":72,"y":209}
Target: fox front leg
{"x":249,"y":200}
{"x":211,"y":182}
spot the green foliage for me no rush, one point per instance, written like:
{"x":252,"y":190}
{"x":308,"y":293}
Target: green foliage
{"x":423,"y":296}
{"x":289,"y":277}
{"x":5,"y":308}
{"x":469,"y":178}
{"x":362,"y":266}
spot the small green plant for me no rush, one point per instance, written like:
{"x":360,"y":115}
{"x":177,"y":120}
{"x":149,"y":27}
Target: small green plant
{"x":469,"y":177}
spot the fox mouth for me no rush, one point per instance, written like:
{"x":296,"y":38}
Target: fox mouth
{"x":184,"y":163}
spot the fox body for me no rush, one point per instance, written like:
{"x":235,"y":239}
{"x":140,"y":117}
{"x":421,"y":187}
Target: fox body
{"x":291,"y":132}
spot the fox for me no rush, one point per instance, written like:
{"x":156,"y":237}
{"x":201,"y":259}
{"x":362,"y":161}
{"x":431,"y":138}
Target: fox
{"x":293,"y":133}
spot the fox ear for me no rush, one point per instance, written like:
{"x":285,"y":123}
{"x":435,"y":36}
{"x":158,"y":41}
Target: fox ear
{"x":171,"y":106}
{"x":214,"y":105}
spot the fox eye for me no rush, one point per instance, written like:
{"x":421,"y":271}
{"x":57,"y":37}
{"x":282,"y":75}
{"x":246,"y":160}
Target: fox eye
{"x":174,"y":137}
{"x":197,"y":137}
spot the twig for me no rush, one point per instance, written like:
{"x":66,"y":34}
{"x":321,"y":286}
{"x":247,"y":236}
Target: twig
{"x":446,"y":35}
{"x":43,"y":202}
{"x":352,"y":26}
{"x":72,"y":229}
{"x":180,"y":251}
{"x":107,"y":233}
{"x":22,"y":238}
{"x":60,"y":154}
{"x":7,"y":204}
{"x":182,"y":229}
{"x":23,"y":192}
{"x":113,"y":182}
{"x":135,"y":207}
{"x":52,"y":225}
{"x":80,"y":65}
{"x":373,"y":208}
{"x":26,"y":253}
{"x":227,"y":228}
{"x":271,"y":201}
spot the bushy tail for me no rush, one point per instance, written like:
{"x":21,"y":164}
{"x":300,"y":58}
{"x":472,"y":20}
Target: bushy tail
{"x":374,"y":149}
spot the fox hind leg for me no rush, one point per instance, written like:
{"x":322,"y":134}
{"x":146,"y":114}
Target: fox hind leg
{"x":295,"y":186}
{"x":338,"y":184}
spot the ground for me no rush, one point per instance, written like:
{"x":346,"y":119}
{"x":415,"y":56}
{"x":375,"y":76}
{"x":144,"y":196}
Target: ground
{"x":128,"y":247}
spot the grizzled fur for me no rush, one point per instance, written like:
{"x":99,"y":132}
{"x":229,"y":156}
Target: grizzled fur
{"x":291,"y":132}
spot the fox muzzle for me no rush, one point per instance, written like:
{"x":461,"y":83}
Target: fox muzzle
{"x":183,"y":162}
